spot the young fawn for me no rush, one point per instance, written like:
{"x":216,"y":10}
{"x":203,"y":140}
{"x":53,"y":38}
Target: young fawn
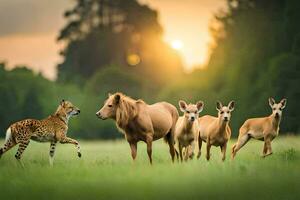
{"x":187,"y":128}
{"x":265,"y":129}
{"x":215,"y":130}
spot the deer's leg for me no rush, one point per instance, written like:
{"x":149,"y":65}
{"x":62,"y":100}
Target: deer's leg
{"x":191,"y":150}
{"x":180,"y":150}
{"x":186,"y":153}
{"x":199,"y":146}
{"x":267,"y":150}
{"x":223,"y":150}
{"x":242,"y":140}
{"x":208,"y":146}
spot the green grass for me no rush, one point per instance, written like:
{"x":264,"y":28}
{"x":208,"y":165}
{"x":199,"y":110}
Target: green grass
{"x":106,"y":171}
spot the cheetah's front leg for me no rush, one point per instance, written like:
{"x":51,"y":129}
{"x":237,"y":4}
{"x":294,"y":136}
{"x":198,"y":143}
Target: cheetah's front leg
{"x":68,"y":140}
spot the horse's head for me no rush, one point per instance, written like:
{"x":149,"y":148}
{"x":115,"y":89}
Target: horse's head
{"x":110,"y":106}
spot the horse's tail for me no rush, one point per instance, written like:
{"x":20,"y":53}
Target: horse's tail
{"x":170,"y":136}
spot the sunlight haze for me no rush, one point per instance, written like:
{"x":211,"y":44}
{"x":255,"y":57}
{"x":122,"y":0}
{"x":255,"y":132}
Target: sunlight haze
{"x":29,"y":36}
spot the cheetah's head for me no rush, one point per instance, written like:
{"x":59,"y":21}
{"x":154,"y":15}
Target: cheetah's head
{"x":68,"y":108}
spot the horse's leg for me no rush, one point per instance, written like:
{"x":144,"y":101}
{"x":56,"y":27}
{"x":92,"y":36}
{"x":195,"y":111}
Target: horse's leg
{"x":149,"y":140}
{"x":133,"y":147}
{"x":170,"y":139}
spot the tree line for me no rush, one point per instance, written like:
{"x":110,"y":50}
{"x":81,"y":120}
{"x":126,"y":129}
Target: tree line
{"x":117,"y":46}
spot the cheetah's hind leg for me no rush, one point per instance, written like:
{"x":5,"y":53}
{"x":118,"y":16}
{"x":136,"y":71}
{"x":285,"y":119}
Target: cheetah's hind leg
{"x":9,"y":143}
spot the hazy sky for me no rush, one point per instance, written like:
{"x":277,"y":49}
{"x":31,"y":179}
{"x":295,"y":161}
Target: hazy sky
{"x":28,"y":30}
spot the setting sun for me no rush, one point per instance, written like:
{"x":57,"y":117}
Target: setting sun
{"x":177,"y":44}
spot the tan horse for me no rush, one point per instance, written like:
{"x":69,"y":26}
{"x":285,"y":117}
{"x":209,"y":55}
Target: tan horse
{"x":140,"y":121}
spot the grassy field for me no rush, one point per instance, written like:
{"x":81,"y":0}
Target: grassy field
{"x":106,"y":171}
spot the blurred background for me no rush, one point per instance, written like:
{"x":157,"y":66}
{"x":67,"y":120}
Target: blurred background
{"x":79,"y":50}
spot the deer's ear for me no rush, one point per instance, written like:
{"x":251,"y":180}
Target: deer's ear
{"x":231,"y":105}
{"x":283,"y":103}
{"x":62,"y":102}
{"x":200,"y":106}
{"x":271,"y":101}
{"x":109,"y":94}
{"x":182,"y":105}
{"x":219,"y":105}
{"x":117,"y":98}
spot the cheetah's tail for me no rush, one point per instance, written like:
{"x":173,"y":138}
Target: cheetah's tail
{"x":8,"y":135}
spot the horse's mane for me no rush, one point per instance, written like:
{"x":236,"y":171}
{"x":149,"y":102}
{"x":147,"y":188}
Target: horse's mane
{"x":127,"y":110}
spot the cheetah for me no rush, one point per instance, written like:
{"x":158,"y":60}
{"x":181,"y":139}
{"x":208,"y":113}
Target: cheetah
{"x":52,"y":129}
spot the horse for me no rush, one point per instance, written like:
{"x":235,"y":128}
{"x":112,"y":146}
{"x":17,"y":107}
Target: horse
{"x":139,"y":121}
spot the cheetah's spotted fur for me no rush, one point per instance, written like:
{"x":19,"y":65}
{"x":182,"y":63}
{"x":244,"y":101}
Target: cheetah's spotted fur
{"x":52,"y":129}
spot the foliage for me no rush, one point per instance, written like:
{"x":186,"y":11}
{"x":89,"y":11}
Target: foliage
{"x":102,"y":32}
{"x":28,"y":95}
{"x":256,"y":55}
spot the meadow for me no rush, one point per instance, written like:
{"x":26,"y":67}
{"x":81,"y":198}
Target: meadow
{"x":106,"y":171}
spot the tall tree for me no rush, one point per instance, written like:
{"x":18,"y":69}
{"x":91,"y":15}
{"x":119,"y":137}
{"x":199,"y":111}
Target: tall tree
{"x":256,"y":41}
{"x":122,"y":32}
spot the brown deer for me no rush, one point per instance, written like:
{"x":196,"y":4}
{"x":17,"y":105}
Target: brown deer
{"x":187,"y":128}
{"x":265,"y":129}
{"x":215,"y":130}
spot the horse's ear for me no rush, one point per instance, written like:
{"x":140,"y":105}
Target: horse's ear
{"x":117,"y":98}
{"x":109,"y":94}
{"x":62,"y":102}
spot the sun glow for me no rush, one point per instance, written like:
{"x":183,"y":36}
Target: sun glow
{"x":177,"y":44}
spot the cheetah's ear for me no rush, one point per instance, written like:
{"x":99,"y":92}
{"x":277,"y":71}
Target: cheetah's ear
{"x":62,"y":102}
